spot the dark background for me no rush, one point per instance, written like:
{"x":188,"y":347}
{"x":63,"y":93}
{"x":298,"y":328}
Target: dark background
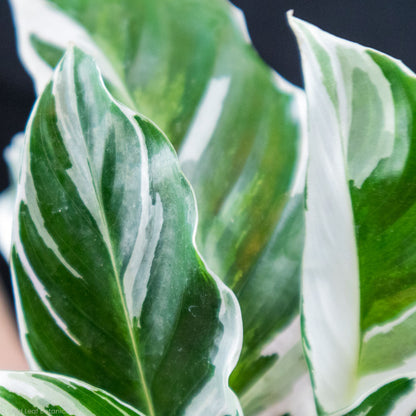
{"x":387,"y":25}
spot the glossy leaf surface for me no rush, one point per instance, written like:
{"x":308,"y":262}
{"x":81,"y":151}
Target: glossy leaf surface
{"x":110,"y":287}
{"x":29,"y":393}
{"x":189,"y":66}
{"x":359,"y":287}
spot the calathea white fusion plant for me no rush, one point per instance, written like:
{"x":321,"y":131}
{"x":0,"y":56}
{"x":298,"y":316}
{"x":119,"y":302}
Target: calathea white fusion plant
{"x":115,"y":273}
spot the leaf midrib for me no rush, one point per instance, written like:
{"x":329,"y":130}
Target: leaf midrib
{"x":107,"y":239}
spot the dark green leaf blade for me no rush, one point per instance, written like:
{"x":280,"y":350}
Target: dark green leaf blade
{"x":43,"y":394}
{"x":111,"y":289}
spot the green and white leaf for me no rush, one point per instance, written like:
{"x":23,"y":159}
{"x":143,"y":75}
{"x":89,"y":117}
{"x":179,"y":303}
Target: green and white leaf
{"x":43,"y":394}
{"x":236,"y":125}
{"x":394,"y":398}
{"x":110,"y":287}
{"x":359,"y":287}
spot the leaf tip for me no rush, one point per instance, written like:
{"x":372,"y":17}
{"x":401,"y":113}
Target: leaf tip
{"x":294,"y":22}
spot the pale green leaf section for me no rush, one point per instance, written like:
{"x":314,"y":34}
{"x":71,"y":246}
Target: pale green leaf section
{"x":359,"y":290}
{"x":110,"y":286}
{"x":237,"y":127}
{"x":43,"y":394}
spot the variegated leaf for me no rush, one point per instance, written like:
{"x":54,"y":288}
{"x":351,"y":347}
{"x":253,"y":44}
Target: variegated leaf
{"x":189,"y":66}
{"x":43,"y":394}
{"x":110,"y":287}
{"x":359,"y":286}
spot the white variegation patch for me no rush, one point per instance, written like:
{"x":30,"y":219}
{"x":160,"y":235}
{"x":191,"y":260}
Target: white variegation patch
{"x":330,"y":264}
{"x":42,"y":394}
{"x":42,"y":292}
{"x":389,"y":326}
{"x":8,"y":409}
{"x":205,"y":121}
{"x":73,"y":138}
{"x":406,"y":404}
{"x":285,"y":340}
{"x":151,"y":222}
{"x":137,"y":274}
{"x":27,"y":194}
